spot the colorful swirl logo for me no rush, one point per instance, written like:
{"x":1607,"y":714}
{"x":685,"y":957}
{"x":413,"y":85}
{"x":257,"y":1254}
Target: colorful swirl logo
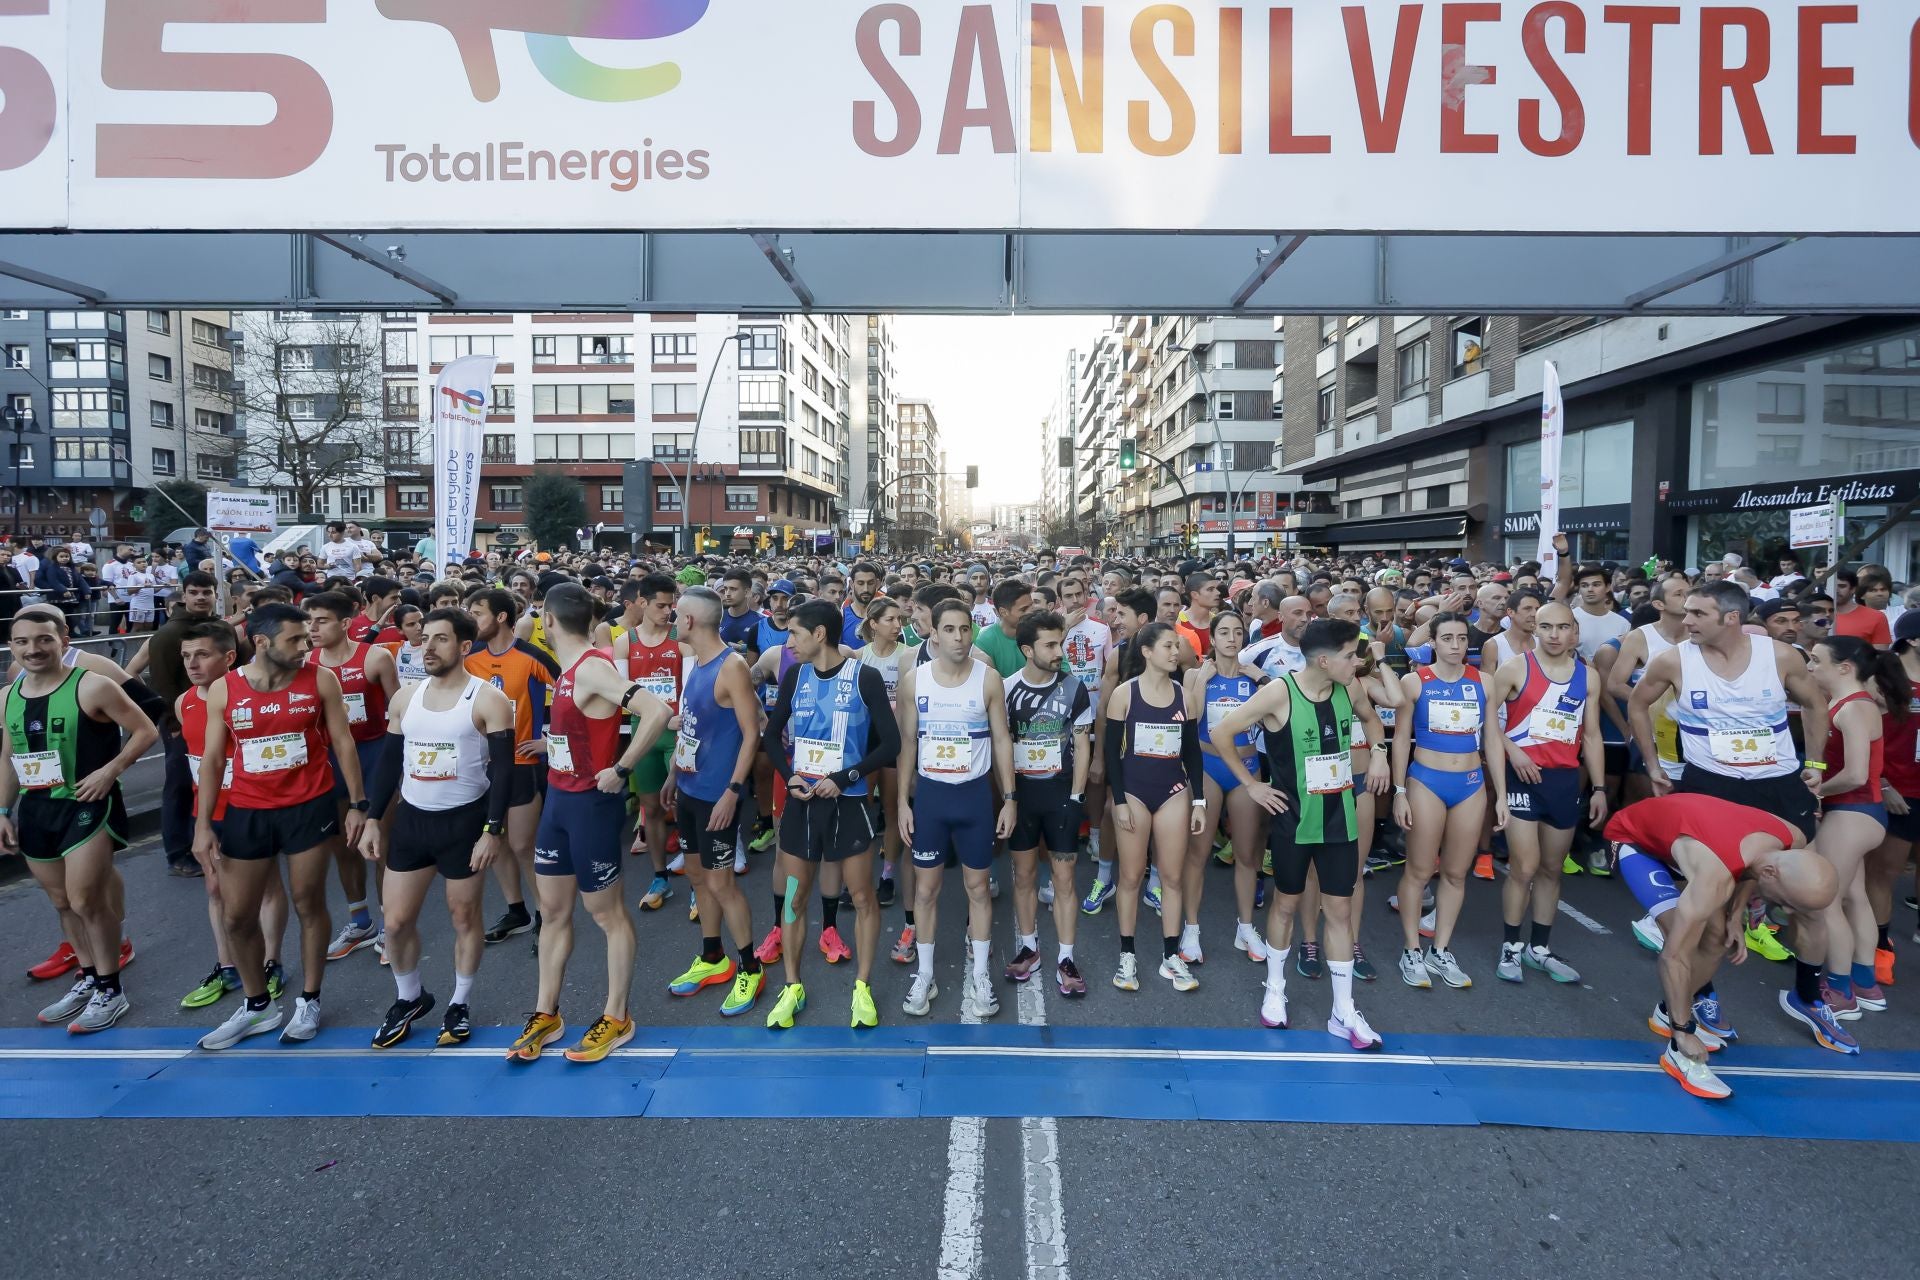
{"x":551,"y":26}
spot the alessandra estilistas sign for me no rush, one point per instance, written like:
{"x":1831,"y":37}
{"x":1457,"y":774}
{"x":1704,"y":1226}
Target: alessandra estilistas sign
{"x":1888,"y":487}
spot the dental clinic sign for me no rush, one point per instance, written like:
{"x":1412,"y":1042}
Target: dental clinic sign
{"x":1012,"y":114}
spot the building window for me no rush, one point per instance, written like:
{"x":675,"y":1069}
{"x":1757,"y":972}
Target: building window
{"x":357,"y":500}
{"x":1439,"y":495}
{"x":600,"y":400}
{"x":165,"y":461}
{"x":82,"y":460}
{"x":441,"y":349}
{"x":207,"y":335}
{"x":1223,"y":406}
{"x":763,"y":398}
{"x":400,"y":349}
{"x":160,"y":415}
{"x":99,"y":410}
{"x":396,"y":317}
{"x":743,"y":497}
{"x":496,"y":448}
{"x":18,"y":356}
{"x":20,"y":455}
{"x":666,"y":498}
{"x":673,"y":446}
{"x":506,"y":497}
{"x":673,"y":348}
{"x":1329,"y":329}
{"x":206,"y":377}
{"x":1596,"y":469}
{"x":606,"y":348}
{"x":403,"y":401}
{"x":613,"y":497}
{"x":1780,"y":402}
{"x":294,"y":408}
{"x":1363,"y":385}
{"x":284,"y":503}
{"x":568,"y":446}
{"x":85,"y":358}
{"x":673,"y":398}
{"x":1411,"y":362}
{"x":544,"y":347}
{"x":761,"y":350}
{"x":503,"y":398}
{"x":1390,"y":504}
{"x":413,"y":497}
{"x":1777,"y":451}
{"x":403,"y":446}
{"x":1324,"y":410}
{"x":1469,"y":346}
{"x":213,"y":466}
{"x":760,"y":447}
{"x":157,"y":322}
{"x":208,"y":420}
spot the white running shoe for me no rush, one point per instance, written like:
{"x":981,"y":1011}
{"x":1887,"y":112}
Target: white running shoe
{"x":1175,"y":970}
{"x":64,"y":1009}
{"x":351,"y":938}
{"x":1413,"y":970}
{"x":1647,"y":932}
{"x":304,"y":1025}
{"x":678,"y":866}
{"x":102,"y":1011}
{"x":1696,"y":1078}
{"x":1046,"y":894}
{"x":1190,"y":945}
{"x":1428,"y":924}
{"x":1443,"y":966}
{"x":740,"y":860}
{"x":240,"y":1024}
{"x":1550,"y":964}
{"x":920,"y":994}
{"x":1354,"y":1030}
{"x":1273,"y":1006}
{"x":1247,"y":938}
{"x":1509,"y":968}
{"x":1127,"y":976}
{"x":977,"y":998}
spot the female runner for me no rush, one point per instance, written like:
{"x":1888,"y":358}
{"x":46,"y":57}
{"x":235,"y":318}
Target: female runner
{"x":1214,"y":689}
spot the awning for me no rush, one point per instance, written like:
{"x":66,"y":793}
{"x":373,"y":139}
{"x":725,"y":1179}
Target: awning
{"x":1394,"y":530}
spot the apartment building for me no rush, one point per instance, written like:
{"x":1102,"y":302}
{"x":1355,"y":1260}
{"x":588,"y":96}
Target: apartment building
{"x":922,"y":460}
{"x":1057,"y":456}
{"x":874,"y":432}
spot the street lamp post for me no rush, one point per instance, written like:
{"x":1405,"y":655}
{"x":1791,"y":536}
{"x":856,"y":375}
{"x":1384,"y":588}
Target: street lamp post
{"x":19,"y":421}
{"x":693,"y":451}
{"x":1225,"y":466}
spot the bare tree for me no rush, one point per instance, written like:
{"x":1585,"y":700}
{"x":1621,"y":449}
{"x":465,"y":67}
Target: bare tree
{"x":308,"y":393}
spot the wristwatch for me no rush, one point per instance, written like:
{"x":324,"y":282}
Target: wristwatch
{"x":848,"y":778}
{"x":494,"y":829}
{"x":360,"y":806}
{"x":738,"y":788}
{"x":625,"y":771}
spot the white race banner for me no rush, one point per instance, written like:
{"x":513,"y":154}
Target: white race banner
{"x":1553,"y":421}
{"x":460,"y":396}
{"x":1810,"y":526}
{"x":251,"y":513}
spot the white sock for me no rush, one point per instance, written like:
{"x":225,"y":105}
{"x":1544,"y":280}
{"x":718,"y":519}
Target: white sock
{"x":1031,"y":941}
{"x":1277,"y":970}
{"x":1341,"y":972}
{"x":1066,"y":952}
{"x":462,"y":987}
{"x":982,"y":955}
{"x":925,"y":951}
{"x":408,"y":984}
{"x":739,"y":856}
{"x":1103,"y":870}
{"x":1093,"y":844}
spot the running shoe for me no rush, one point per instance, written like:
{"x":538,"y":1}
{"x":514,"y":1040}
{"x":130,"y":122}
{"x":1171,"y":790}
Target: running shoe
{"x":1247,"y":938}
{"x":658,"y":891}
{"x":739,"y":867}
{"x":1707,"y":1012}
{"x":1045,"y":894}
{"x":793,"y":999}
{"x":1483,"y":865}
{"x":1273,"y":1006}
{"x":103,"y":1009}
{"x":885,"y":894}
{"x":512,"y":922}
{"x":703,"y":973}
{"x":1066,"y":976}
{"x":1762,"y":941}
{"x":380,"y":946}
{"x":1260,"y":888}
{"x":846,"y":898}
{"x":1844,"y":1007}
{"x":212,"y":989}
{"x":1913,"y":902}
{"x":240,"y":1024}
{"x":1598,"y":863}
{"x":602,"y":1038}
{"x":864,"y":1014}
{"x":1127,"y":976}
{"x":1873,"y":999}
{"x":920,"y":994}
{"x":1661,"y":1025}
{"x":276,"y":980}
{"x":678,"y":865}
{"x":1097,"y":897}
{"x":351,"y":938}
{"x":1443,"y":966}
{"x":1550,"y":964}
{"x":834,"y":947}
{"x":1223,"y":854}
{"x":1380,"y":860}
{"x":744,"y":994}
{"x":1152,"y":898}
{"x":1175,"y":970}
{"x":1428,"y":924}
{"x":1362,"y":967}
{"x":1817,"y":1018}
{"x":693,"y":907}
{"x":1266,"y":863}
{"x":399,"y":1020}
{"x":1570,"y":866}
{"x":1024,"y":962}
{"x":304,"y":1025}
{"x":764,"y":841}
{"x":62,"y":1011}
{"x":1190,"y":945}
{"x":62,"y":962}
{"x":977,"y":996}
{"x":126,"y":954}
{"x":1696,"y":1078}
{"x":542,"y":1029}
{"x":904,"y":950}
{"x":1883,"y":960}
{"x":1307,"y":963}
{"x":993,"y":888}
{"x":456,"y":1026}
{"x":768,"y":952}
{"x":1509,"y":969}
{"x":1413,"y":970}
{"x":1354,"y":1030}
{"x":1647,"y":932}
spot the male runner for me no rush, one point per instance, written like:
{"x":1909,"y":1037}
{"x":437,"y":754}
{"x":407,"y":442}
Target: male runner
{"x":280,"y":713}
{"x":450,"y":758}
{"x":525,"y":674}
{"x":1599,"y":620}
{"x":1011,"y":600}
{"x":865,"y":584}
{"x":1726,"y":853}
{"x":62,"y":809}
{"x":576,"y":851}
{"x":651,"y":656}
{"x":740,"y":626}
{"x":831,"y":729}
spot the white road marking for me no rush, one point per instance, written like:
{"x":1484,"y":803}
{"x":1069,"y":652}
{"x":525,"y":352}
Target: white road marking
{"x":1573,"y":914}
{"x":960,"y":1229}
{"x":1046,"y":1218}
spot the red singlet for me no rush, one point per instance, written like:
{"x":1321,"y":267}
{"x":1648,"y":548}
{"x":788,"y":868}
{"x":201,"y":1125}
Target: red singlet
{"x":579,"y":746}
{"x":279,"y":743}
{"x":366,"y":699}
{"x":1652,"y":826}
{"x":1837,"y":758}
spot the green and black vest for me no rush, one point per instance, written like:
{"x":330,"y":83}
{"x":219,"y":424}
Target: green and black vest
{"x":1313,"y":729}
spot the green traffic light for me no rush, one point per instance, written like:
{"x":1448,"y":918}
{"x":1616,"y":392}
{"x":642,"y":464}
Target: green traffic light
{"x":1127,"y":460}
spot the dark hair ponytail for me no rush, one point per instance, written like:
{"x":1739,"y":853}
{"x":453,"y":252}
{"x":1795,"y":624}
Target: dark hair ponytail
{"x":1883,"y":671}
{"x":1134,"y":661}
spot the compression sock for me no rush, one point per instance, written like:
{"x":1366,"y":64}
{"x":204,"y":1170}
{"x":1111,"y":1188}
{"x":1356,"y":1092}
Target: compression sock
{"x":829,"y":911}
{"x":358,"y":914}
{"x":1862,"y":975}
{"x":1806,"y":982}
{"x":711,"y":951}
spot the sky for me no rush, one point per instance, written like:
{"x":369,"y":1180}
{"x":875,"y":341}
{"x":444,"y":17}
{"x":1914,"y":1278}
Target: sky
{"x":992,"y":380}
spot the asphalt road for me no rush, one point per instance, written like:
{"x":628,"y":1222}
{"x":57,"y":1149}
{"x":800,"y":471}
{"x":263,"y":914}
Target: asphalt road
{"x":772,"y":1198}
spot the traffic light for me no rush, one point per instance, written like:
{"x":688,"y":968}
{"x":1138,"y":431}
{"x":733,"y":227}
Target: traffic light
{"x":1066,"y":453}
{"x":867,"y":543}
{"x":765,"y":540}
{"x":1127,"y":459}
{"x":973,"y":477}
{"x":786,"y":542}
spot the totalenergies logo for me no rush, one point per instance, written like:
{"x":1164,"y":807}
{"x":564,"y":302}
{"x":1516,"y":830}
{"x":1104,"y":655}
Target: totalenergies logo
{"x":551,"y":26}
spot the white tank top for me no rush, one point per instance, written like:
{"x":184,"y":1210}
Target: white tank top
{"x":888,"y":667}
{"x":1656,"y":643}
{"x":1736,"y":728}
{"x":446,"y":761}
{"x":1503,"y":649}
{"x":956,"y":738}
{"x":407,"y":661}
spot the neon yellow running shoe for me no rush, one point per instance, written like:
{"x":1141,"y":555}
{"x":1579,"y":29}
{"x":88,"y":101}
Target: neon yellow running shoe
{"x":864,"y":1014}
{"x":1761,"y":942}
{"x":704,"y":973}
{"x":1223,"y":853}
{"x":793,"y":998}
{"x":745,"y":993}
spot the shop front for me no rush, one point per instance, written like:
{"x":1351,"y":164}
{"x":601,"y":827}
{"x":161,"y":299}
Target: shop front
{"x":1596,"y":494}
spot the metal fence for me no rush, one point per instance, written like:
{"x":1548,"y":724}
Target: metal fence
{"x":116,"y":648}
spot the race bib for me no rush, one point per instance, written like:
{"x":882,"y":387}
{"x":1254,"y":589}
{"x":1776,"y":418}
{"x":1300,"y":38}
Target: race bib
{"x":274,"y":754}
{"x":686,"y":752}
{"x":356,"y":707}
{"x":1159,"y":741}
{"x":1329,"y":774}
{"x":1549,"y":724}
{"x":1037,"y":757}
{"x":559,"y":753}
{"x":433,"y":761}
{"x":944,"y":754}
{"x":1218,"y":711}
{"x":39,"y":770}
{"x":661,"y":685}
{"x":226,"y":774}
{"x":1387,"y":715}
{"x":1742,"y":748}
{"x":817,"y":757}
{"x":1453,"y":715}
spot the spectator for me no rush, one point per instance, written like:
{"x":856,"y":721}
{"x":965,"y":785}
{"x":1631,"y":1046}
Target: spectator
{"x":63,"y":587}
{"x":246,"y":551}
{"x":114,"y":574}
{"x":12,"y":585}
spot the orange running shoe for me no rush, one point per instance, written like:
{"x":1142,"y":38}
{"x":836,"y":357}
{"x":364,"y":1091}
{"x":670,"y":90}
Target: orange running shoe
{"x":1483,"y":866}
{"x":1883,"y":966}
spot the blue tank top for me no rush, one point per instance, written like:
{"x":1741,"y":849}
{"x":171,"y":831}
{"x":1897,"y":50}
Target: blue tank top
{"x":1223,"y":695}
{"x":830,"y":726}
{"x":715,"y":732}
{"x":1450,"y":713}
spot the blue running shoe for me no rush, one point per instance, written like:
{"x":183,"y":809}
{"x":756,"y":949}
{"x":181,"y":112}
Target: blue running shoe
{"x":1260,"y":893}
{"x":1097,"y":897}
{"x":1707,"y":1012}
{"x":1817,"y":1018}
{"x":1152,"y":898}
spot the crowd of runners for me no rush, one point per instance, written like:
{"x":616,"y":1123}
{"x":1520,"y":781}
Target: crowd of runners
{"x":1737,"y":751}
